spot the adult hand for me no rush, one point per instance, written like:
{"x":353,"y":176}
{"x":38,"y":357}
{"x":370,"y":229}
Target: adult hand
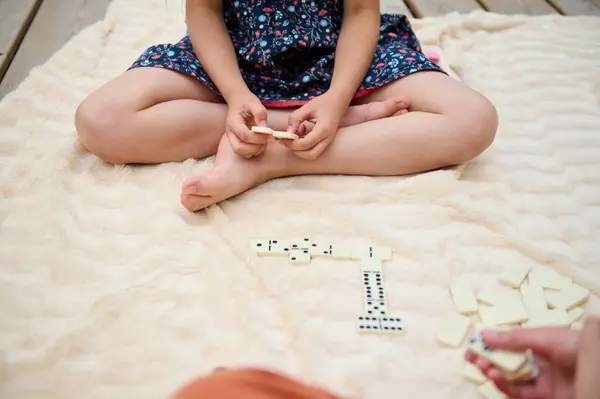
{"x":555,"y":353}
{"x":324,"y":113}
{"x":245,"y":111}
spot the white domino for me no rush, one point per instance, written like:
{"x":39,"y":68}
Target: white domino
{"x":497,"y":295}
{"x":511,"y":313}
{"x":514,"y":275}
{"x":568,"y":297}
{"x":300,"y":251}
{"x":548,"y":279}
{"x":373,"y":252}
{"x":262,"y":130}
{"x":453,"y":331}
{"x":275,"y":133}
{"x":463,"y":296}
{"x":273,"y":247}
{"x":369,"y":324}
{"x":284,"y":135}
{"x":574,"y":315}
{"x":534,"y":300}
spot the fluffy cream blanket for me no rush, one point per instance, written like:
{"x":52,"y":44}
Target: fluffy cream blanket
{"x":111,"y":290}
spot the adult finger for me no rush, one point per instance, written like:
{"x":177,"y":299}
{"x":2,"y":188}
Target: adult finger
{"x":559,"y":343}
{"x":587,"y":384}
{"x":298,"y":117}
{"x":314,"y":152}
{"x":244,"y":150}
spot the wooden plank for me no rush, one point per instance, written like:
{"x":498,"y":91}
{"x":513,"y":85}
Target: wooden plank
{"x":435,"y":8}
{"x":15,"y":18}
{"x":395,"y":7}
{"x":513,"y":7}
{"x":55,"y":23}
{"x":577,"y":7}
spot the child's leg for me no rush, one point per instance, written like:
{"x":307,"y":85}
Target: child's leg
{"x":449,"y":124}
{"x":154,"y":115}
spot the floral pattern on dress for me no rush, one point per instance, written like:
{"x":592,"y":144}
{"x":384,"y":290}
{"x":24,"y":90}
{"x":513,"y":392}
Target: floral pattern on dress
{"x":286,"y":50}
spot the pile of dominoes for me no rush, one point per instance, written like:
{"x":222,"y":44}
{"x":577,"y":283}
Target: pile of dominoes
{"x":301,"y":250}
{"x":522,"y":298}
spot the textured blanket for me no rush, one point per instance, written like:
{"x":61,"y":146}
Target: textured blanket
{"x":110,"y":289}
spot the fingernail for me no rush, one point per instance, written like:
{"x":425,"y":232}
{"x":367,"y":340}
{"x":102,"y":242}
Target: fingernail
{"x":263,"y":124}
{"x":289,"y":129}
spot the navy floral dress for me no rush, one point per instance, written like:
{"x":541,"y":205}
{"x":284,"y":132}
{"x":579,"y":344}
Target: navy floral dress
{"x":286,"y":48}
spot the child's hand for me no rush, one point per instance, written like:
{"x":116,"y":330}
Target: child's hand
{"x":555,"y":353}
{"x":325,"y":113}
{"x":246,"y":111}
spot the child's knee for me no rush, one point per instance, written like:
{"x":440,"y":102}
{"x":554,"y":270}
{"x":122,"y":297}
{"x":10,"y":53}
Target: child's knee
{"x":96,"y":121}
{"x":478,"y":121}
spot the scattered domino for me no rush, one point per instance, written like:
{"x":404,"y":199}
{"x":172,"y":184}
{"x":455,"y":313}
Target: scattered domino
{"x":369,"y":324}
{"x":511,"y":313}
{"x":454,"y":330}
{"x":534,"y":300}
{"x":471,"y":373}
{"x":463,"y":296}
{"x":568,"y":297}
{"x":497,"y":295}
{"x":574,"y":315}
{"x":514,"y":275}
{"x":549,"y":279}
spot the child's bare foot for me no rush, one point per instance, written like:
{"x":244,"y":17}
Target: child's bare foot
{"x":230,"y":176}
{"x":376,"y":110}
{"x":233,"y":175}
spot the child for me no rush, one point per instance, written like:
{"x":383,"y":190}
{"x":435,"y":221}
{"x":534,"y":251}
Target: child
{"x":385,"y":109}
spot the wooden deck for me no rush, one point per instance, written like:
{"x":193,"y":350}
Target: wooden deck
{"x":32,"y":30}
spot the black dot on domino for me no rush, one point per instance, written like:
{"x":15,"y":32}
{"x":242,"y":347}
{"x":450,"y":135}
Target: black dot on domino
{"x":259,"y":245}
{"x":274,"y":241}
{"x":294,"y":258}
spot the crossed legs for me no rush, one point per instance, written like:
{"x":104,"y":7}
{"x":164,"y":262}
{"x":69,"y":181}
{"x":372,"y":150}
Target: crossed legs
{"x":145,"y":118}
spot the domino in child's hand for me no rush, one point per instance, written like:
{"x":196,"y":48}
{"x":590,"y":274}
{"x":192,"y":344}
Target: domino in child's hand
{"x":275,"y":133}
{"x":284,"y":135}
{"x":262,"y":130}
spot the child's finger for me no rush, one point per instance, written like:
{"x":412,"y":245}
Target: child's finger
{"x":309,"y":141}
{"x":314,"y":152}
{"x":297,"y":117}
